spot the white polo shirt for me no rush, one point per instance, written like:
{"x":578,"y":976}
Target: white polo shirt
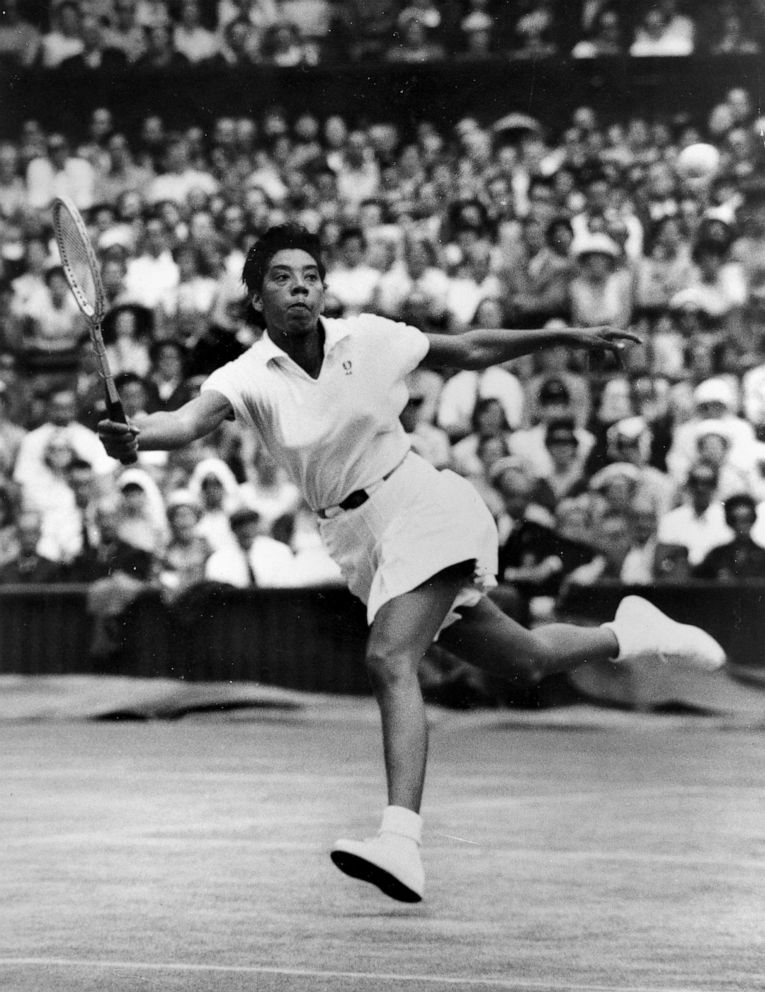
{"x":340,"y":432}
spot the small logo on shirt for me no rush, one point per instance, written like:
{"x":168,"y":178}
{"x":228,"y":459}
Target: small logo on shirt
{"x":348,"y":367}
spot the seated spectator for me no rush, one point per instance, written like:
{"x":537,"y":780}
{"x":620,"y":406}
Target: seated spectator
{"x":266,"y":488}
{"x":190,"y":37}
{"x":186,"y":554}
{"x":568,"y":475}
{"x":30,"y":288}
{"x":413,"y":42}
{"x":630,"y":441}
{"x":54,"y":321}
{"x":283,"y":45}
{"x":733,"y":36}
{"x":462,"y":391}
{"x":553,"y":402}
{"x":184,"y":310}
{"x":120,"y":174}
{"x":239,"y":44}
{"x":29,"y":567}
{"x":125,"y":32}
{"x":741,"y":558}
{"x":95,"y":55}
{"x":719,"y":285}
{"x":535,"y":30}
{"x":179,"y":175}
{"x":127,"y":331}
{"x":738,"y":471}
{"x":352,"y":281}
{"x":57,"y":172}
{"x":556,"y":363}
{"x":19,"y":38}
{"x":533,"y":556}
{"x":488,"y":420}
{"x":152,"y":272}
{"x":614,"y":542}
{"x":698,"y":523}
{"x":161,"y":55}
{"x":662,"y":31}
{"x":59,"y":419}
{"x":13,"y":191}
{"x":473,"y":283}
{"x":167,"y":385}
{"x":214,"y":486}
{"x":142,"y":517}
{"x":713,"y":399}
{"x":477,"y":36}
{"x":357,"y":171}
{"x":64,"y":37}
{"x":599,"y":293}
{"x":253,"y":559}
{"x":106,"y":553}
{"x":539,"y":280}
{"x":606,"y":38}
{"x":666,"y":270}
{"x":416,"y":270}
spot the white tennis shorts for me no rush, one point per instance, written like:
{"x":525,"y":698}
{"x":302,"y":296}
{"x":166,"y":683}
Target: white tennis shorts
{"x":416,"y":523}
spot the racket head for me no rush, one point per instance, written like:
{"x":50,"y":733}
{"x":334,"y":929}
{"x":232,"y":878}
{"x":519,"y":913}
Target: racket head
{"x":78,"y":260}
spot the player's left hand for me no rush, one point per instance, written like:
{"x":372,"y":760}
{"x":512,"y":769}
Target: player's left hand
{"x":606,"y":338}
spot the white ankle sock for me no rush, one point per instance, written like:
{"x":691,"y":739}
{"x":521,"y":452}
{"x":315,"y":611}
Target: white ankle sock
{"x":622,"y":640}
{"x":402,"y":821}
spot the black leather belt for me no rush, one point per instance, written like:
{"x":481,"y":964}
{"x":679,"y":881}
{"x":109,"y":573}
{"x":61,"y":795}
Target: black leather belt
{"x":357,"y":498}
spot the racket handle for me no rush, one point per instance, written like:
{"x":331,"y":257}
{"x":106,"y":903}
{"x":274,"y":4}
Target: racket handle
{"x":115,"y":411}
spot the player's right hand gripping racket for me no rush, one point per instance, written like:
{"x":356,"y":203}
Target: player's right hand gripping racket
{"x":83,"y":274}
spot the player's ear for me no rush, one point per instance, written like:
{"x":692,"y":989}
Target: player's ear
{"x":257,"y":302}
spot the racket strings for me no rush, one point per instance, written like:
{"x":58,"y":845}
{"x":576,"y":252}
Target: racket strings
{"x":76,"y":257}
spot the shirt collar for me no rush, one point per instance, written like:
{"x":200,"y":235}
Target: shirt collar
{"x":334,"y":332}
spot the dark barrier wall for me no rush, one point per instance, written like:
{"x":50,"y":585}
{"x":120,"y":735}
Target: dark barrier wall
{"x":310,"y":640}
{"x":441,"y":92}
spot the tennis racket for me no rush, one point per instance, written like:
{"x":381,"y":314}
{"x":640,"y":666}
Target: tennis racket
{"x":83,"y":274}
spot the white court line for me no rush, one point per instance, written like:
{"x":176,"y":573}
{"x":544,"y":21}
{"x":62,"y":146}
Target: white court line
{"x":517,"y":984}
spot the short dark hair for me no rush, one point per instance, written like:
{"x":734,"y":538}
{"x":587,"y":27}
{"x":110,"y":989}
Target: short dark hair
{"x":733,"y":503}
{"x":242,"y":517}
{"x":279,"y":238}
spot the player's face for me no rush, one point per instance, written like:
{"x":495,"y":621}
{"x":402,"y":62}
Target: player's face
{"x":292,"y":297}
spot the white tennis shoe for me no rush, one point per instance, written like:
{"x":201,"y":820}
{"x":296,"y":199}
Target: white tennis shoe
{"x":644,"y":631}
{"x":389,"y":861}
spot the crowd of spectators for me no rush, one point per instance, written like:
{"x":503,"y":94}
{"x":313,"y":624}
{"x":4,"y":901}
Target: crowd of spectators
{"x":108,"y":35}
{"x":650,"y":471}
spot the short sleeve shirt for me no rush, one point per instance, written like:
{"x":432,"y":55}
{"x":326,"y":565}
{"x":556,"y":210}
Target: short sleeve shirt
{"x":341,"y":431}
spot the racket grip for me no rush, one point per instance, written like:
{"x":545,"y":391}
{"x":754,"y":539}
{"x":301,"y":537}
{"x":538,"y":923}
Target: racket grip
{"x":115,"y":411}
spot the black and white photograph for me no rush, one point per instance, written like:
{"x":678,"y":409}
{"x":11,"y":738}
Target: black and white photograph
{"x":382,"y":495}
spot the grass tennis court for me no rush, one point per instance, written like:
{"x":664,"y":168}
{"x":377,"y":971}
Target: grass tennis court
{"x":192,"y":855}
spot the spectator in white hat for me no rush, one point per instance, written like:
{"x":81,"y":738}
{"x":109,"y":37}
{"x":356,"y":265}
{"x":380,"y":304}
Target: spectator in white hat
{"x":600,"y":293}
{"x":713,"y":399}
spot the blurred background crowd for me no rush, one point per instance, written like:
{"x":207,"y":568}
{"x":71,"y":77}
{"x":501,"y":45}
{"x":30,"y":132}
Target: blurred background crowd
{"x":164,"y":33}
{"x":648,"y":471}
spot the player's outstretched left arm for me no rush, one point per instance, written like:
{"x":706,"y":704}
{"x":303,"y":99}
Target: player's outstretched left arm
{"x":481,"y":348}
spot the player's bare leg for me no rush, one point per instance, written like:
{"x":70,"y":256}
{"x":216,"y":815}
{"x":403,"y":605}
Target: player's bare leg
{"x":400,"y":635}
{"x":493,"y":641}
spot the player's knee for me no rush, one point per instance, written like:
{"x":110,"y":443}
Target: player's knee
{"x":389,"y":666}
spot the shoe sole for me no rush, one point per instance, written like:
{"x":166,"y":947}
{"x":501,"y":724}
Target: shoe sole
{"x":365,"y":871}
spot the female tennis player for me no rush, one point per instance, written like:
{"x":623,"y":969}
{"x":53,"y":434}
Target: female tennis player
{"x":417,"y":545}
